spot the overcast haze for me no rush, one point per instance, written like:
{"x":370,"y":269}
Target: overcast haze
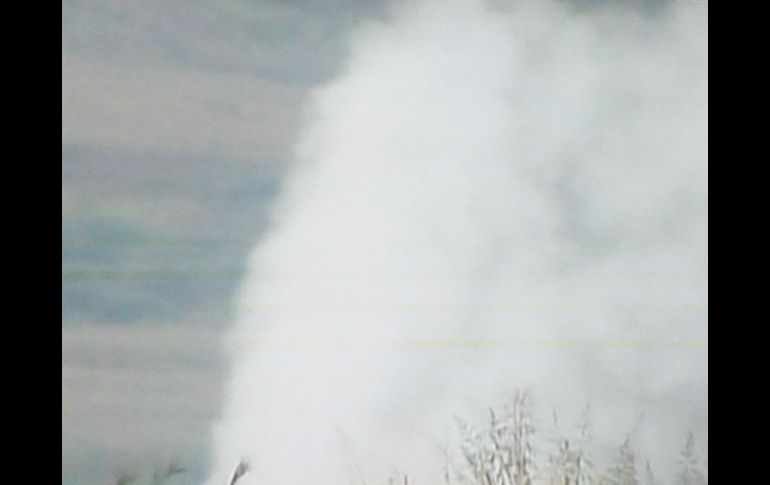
{"x":415,"y":180}
{"x":177,"y":124}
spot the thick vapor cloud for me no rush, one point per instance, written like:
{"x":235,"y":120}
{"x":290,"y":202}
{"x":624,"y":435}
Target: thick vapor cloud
{"x":486,"y":198}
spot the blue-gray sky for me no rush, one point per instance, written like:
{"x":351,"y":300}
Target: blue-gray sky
{"x":177,"y":123}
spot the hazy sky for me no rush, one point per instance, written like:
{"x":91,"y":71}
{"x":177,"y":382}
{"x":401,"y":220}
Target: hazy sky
{"x":177,"y":122}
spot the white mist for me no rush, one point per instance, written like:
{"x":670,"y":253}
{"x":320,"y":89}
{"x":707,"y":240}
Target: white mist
{"x":486,"y":198}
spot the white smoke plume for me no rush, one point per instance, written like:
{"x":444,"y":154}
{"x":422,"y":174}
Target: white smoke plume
{"x":487,"y":197}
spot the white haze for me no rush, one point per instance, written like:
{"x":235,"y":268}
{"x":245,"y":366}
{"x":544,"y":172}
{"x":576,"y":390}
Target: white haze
{"x":486,"y":198}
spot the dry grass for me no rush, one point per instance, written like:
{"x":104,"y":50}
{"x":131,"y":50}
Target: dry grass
{"x":501,"y":452}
